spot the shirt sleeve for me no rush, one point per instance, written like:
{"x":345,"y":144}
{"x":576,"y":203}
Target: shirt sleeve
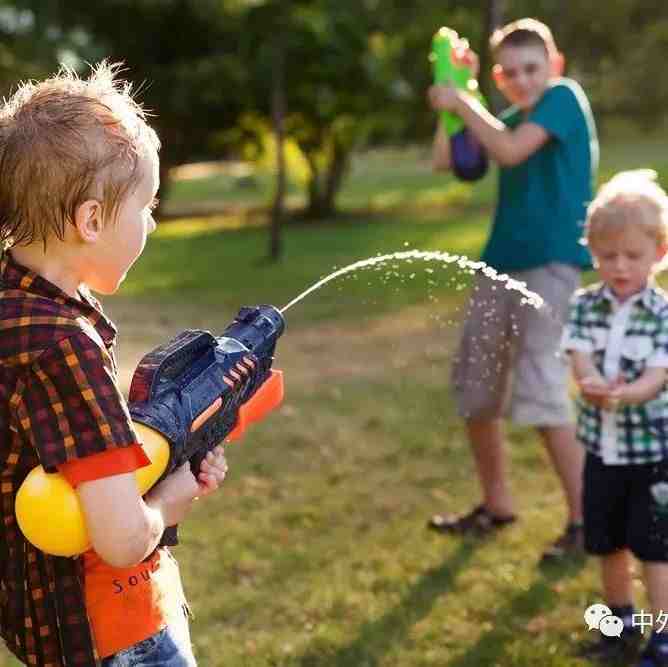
{"x":104,"y":464}
{"x":659,"y":357}
{"x":70,"y":408}
{"x":575,"y":336}
{"x":558,"y":112}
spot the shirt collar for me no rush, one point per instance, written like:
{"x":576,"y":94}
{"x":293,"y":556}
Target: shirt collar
{"x":648,"y":297}
{"x":16,"y":276}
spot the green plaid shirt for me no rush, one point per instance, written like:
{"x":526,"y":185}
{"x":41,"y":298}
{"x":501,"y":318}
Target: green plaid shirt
{"x":623,"y":339}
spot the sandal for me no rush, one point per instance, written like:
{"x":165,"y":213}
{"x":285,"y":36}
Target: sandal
{"x":478,"y":521}
{"x":569,"y":546}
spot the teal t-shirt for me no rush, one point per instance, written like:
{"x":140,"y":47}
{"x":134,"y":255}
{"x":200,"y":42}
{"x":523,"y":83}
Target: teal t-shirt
{"x":542,"y":202}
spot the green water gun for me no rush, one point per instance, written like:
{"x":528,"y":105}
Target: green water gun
{"x":447,"y":73}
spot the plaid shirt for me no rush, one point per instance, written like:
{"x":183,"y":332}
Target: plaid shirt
{"x":58,"y":402}
{"x":623,"y":340}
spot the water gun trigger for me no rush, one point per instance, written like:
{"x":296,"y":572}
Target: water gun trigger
{"x":268,"y":397}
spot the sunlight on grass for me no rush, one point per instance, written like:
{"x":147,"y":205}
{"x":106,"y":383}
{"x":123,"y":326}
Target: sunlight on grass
{"x":388,"y":199}
{"x":469,"y":235}
{"x":457,"y":194}
{"x":189,"y":227}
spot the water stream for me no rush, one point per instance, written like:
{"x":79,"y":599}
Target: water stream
{"x":528,"y":297}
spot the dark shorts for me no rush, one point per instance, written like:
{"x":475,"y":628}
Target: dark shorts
{"x":626,"y":506}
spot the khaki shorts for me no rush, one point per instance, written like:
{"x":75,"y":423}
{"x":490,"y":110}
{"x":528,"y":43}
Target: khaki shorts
{"x":508,"y":362}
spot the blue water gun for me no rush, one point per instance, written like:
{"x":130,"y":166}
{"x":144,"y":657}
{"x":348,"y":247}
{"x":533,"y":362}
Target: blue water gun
{"x":186,"y":397}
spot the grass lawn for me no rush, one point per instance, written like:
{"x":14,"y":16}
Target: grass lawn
{"x":316,"y":553}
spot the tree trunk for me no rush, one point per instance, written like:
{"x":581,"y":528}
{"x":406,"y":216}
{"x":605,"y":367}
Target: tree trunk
{"x":314,"y":205}
{"x":278,"y":116}
{"x":335,"y":173}
{"x":324,"y":187}
{"x":493,"y":18}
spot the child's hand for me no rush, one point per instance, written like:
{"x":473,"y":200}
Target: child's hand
{"x":462,"y":54}
{"x":173,"y":496}
{"x":212,"y":471}
{"x":594,"y":385}
{"x":443,"y":98}
{"x":618,"y":394}
{"x":596,"y":391}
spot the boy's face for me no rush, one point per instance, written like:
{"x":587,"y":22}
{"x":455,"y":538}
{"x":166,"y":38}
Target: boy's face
{"x":122,"y":241}
{"x":522,"y":74}
{"x":625,"y":260}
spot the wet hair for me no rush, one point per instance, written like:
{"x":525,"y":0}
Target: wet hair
{"x":630,"y":199}
{"x":66,"y":140}
{"x":524,"y":32}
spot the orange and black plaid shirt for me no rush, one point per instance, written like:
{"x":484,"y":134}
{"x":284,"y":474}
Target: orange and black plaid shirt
{"x":59,"y":403}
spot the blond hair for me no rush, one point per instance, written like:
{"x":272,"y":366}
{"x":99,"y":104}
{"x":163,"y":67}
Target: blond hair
{"x":629,"y":199}
{"x":523,"y":32}
{"x":63,"y":141}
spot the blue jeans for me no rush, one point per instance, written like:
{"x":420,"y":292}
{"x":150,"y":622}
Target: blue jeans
{"x":168,"y":648}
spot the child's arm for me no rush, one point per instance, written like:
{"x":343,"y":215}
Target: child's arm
{"x":644,"y":389}
{"x":583,"y":367}
{"x":440,"y":160}
{"x":71,"y":412}
{"x":508,"y":147}
{"x":124,"y":528}
{"x":592,"y":385}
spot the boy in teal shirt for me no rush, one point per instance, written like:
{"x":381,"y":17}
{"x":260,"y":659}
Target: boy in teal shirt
{"x":546,"y":147}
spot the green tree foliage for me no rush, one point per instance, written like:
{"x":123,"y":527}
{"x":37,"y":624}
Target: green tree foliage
{"x":184,"y":56}
{"x":353,"y":72}
{"x":27,"y":49}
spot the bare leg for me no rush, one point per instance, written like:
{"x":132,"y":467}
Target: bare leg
{"x":489,"y":453}
{"x":567,"y":457}
{"x":656,"y":582}
{"x":616,"y":575}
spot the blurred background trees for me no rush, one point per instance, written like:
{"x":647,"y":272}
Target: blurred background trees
{"x":345,"y":73}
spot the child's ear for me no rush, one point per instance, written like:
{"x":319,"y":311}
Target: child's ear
{"x":88,"y":220}
{"x":557,"y":64}
{"x":497,"y":75}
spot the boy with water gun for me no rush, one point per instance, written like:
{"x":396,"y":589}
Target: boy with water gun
{"x":546,"y":148}
{"x":78,"y":178}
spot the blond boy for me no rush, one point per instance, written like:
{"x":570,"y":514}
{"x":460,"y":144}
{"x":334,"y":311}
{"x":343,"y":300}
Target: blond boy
{"x":78,"y":179}
{"x":617,"y":341}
